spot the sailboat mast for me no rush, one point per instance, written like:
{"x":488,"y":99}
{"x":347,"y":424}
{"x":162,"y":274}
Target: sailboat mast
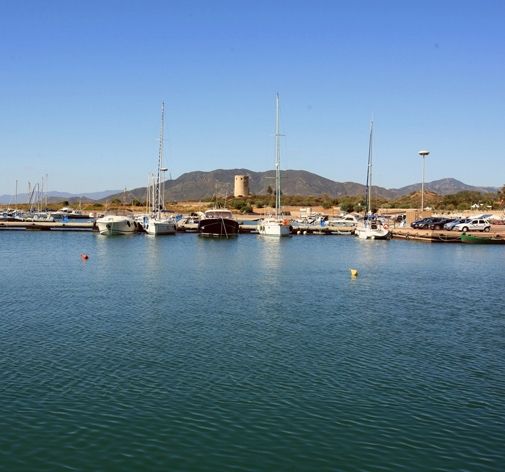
{"x":369,"y":172}
{"x":277,"y":159}
{"x":160,"y":163}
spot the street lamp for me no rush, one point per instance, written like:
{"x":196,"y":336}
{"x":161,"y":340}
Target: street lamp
{"x":424,"y":154}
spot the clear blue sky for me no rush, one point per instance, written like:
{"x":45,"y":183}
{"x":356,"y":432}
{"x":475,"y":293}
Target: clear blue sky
{"x":81,"y":84}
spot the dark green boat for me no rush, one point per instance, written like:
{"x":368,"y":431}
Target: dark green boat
{"x":471,"y":239}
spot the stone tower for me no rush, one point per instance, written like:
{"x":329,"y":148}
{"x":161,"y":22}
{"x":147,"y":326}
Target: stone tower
{"x":241,"y":186}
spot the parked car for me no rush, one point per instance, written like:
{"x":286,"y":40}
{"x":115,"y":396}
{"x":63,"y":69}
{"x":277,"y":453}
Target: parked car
{"x":418,"y":224}
{"x":474,"y":224}
{"x":438,"y":222}
{"x":450,"y":226}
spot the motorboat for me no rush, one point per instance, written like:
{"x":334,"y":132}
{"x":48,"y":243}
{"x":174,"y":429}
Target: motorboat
{"x":117,"y":224}
{"x":219,"y":223}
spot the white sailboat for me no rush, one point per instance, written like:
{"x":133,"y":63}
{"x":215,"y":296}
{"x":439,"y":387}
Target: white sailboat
{"x":371,"y":227}
{"x":275,"y":225}
{"x":155,"y":223}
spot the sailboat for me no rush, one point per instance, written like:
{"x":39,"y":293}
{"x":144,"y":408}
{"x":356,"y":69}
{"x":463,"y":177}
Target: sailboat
{"x":275,"y":225}
{"x":156,"y":223}
{"x":371,"y":227}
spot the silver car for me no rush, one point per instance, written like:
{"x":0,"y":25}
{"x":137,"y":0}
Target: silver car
{"x":474,"y":224}
{"x":450,"y":226}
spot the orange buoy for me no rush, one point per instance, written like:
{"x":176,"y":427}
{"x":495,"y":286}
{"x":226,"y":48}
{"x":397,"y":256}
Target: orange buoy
{"x":84,"y":257}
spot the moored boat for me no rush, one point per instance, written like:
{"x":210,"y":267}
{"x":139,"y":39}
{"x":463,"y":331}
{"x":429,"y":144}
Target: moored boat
{"x":218,"y":223}
{"x":276,"y":225}
{"x":117,"y":224}
{"x":371,"y":227}
{"x":472,"y":239}
{"x":156,"y":223}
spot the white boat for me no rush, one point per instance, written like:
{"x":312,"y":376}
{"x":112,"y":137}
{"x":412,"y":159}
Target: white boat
{"x":155,"y":223}
{"x":371,"y":227}
{"x":116,"y":224}
{"x":275,"y":225}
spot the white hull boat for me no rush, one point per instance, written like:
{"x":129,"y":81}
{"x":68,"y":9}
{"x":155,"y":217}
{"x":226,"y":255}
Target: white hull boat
{"x":373,"y":231}
{"x":157,"y":227}
{"x":372,"y":227}
{"x":156,"y":223}
{"x":116,"y":224}
{"x":274,"y":227}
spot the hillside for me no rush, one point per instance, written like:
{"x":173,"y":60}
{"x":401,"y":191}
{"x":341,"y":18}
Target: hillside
{"x":200,"y":185}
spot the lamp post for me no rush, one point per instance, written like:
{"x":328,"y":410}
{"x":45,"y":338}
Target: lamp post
{"x":424,"y":154}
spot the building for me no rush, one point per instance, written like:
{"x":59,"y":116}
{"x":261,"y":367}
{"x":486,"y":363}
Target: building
{"x":241,"y":186}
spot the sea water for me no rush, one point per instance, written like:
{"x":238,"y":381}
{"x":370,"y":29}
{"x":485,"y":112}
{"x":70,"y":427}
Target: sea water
{"x":183,"y":353}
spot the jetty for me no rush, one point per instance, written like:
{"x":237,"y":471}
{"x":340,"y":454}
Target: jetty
{"x":48,"y":226}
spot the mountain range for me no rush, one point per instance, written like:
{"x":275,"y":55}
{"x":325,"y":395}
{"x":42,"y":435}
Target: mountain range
{"x":199,"y":185}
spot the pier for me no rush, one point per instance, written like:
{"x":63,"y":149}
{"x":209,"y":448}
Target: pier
{"x":48,"y":226}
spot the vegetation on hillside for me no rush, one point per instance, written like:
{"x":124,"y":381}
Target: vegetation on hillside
{"x":459,"y":201}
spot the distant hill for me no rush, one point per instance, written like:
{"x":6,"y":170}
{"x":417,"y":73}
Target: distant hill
{"x":445,"y":187}
{"x":199,"y":185}
{"x":58,"y":196}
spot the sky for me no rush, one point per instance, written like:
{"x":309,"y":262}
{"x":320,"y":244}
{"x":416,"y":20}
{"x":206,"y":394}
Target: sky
{"x":81,"y":86}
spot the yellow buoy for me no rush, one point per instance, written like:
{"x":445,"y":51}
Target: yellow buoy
{"x":354,"y":272}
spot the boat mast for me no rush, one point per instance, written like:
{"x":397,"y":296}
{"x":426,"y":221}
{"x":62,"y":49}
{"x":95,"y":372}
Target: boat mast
{"x":277,"y":160}
{"x":157,"y":196}
{"x":368,"y":197}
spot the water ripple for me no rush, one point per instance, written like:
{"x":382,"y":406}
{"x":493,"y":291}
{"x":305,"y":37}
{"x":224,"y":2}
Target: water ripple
{"x":184,"y":354}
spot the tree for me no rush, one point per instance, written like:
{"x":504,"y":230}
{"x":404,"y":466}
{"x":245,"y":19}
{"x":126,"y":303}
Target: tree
{"x":348,"y":207}
{"x":270,"y":190}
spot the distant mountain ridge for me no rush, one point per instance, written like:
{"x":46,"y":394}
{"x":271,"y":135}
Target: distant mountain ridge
{"x":55,"y":196}
{"x":199,"y":185}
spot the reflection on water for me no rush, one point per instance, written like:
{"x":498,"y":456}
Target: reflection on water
{"x":271,"y":253}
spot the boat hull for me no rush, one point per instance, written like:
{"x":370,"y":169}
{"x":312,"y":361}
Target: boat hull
{"x":111,"y":225}
{"x":274,"y":228}
{"x":157,"y":227}
{"x":471,"y":239}
{"x":218,"y":227}
{"x":379,"y":233}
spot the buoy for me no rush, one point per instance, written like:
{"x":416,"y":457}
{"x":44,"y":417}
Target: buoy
{"x":84,"y":257}
{"x":354,"y":273}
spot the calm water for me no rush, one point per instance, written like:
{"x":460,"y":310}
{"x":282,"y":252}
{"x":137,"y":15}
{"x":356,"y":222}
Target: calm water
{"x":179,"y":353}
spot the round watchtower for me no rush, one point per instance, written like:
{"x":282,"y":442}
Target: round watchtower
{"x":241,"y":186}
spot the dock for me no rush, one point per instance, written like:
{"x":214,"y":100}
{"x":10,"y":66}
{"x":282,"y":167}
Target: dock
{"x":48,"y":226}
{"x":438,"y":236}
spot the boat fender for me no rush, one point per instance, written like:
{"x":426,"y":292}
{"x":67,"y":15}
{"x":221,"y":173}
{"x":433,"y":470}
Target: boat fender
{"x":285,"y":222}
